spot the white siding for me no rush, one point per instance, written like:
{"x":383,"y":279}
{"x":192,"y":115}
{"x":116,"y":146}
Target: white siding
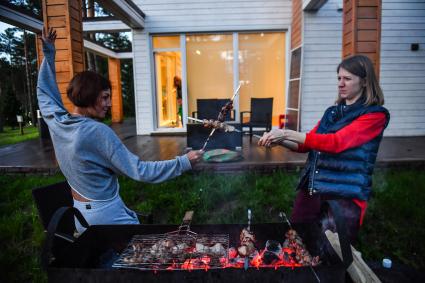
{"x":402,"y":74}
{"x":185,"y":16}
{"x":321,"y":56}
{"x":142,"y":83}
{"x":218,"y":15}
{"x":403,"y":70}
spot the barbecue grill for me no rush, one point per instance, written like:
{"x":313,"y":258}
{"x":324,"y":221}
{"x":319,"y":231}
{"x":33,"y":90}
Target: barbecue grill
{"x":180,"y":249}
{"x":92,"y":256}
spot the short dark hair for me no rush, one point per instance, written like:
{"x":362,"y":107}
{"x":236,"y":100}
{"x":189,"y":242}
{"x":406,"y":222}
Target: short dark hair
{"x":85,"y":87}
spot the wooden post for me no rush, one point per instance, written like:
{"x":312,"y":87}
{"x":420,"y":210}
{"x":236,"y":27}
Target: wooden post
{"x":297,"y":24}
{"x":114,"y":69}
{"x":359,"y":271}
{"x":66,"y":18}
{"x":294,"y":89}
{"x":362,"y":29}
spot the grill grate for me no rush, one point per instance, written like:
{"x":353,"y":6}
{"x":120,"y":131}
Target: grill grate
{"x":175,"y":251}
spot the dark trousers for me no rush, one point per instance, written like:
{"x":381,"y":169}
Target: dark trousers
{"x":311,"y":209}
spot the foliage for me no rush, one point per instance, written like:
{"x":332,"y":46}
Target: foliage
{"x":21,"y":233}
{"x":117,"y":41}
{"x":127,"y":87}
{"x":33,"y":6}
{"x":12,"y":136}
{"x":9,"y":104}
{"x":99,"y":11}
{"x":394,"y":224}
{"x":14,"y":95}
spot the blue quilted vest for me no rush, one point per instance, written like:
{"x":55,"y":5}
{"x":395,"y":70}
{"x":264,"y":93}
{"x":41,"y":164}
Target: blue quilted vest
{"x":347,"y":174}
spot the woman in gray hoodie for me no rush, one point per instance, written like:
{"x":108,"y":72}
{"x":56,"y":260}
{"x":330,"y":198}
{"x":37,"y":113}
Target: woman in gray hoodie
{"x":89,"y":153}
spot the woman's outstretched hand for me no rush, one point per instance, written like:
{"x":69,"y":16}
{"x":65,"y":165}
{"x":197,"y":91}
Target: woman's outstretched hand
{"x":272,"y":137}
{"x":48,"y":36}
{"x":276,"y":136}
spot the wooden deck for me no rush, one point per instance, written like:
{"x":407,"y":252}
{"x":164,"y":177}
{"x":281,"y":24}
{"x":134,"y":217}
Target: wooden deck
{"x":254,"y":157}
{"x":37,"y":157}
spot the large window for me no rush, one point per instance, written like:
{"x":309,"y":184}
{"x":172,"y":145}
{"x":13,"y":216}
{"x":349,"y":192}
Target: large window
{"x":262,"y":69}
{"x":209,"y":67}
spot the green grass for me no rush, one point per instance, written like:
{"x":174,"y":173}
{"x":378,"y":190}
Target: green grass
{"x":21,"y":232}
{"x":395,"y":221}
{"x":10,"y":136}
{"x":394,"y":226}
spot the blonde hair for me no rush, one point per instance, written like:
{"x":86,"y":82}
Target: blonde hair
{"x":362,"y":67}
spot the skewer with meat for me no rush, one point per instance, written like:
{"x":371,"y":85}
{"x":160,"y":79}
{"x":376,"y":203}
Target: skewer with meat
{"x":216,"y":124}
{"x":247,"y":243}
{"x":300,"y":253}
{"x":224,"y":110}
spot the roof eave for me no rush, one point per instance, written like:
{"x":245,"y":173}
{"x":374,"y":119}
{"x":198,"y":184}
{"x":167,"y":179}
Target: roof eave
{"x":313,"y":5}
{"x":126,"y":11}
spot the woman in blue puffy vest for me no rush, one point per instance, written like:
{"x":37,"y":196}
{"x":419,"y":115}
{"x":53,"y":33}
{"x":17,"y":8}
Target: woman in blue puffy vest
{"x":342,"y":147}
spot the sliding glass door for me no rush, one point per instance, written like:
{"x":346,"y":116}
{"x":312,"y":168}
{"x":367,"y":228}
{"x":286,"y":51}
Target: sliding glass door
{"x":210,"y":66}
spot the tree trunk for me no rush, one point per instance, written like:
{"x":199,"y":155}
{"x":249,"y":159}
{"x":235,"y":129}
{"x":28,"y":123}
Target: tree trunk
{"x":91,"y":58}
{"x":28,"y":79}
{"x":90,"y":8}
{"x":1,"y":113}
{"x":84,"y":9}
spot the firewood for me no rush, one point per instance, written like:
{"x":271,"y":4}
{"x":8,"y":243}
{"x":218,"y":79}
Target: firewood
{"x":359,"y":271}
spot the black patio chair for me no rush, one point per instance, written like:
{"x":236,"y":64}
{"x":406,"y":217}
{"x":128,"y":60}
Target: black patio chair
{"x":260,"y":115}
{"x":55,"y":207}
{"x":206,"y":109}
{"x":210,"y":108}
{"x":52,"y":199}
{"x":57,"y":198}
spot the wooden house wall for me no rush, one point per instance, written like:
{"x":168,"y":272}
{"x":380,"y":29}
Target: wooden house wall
{"x":297,"y":24}
{"x":65,"y":17}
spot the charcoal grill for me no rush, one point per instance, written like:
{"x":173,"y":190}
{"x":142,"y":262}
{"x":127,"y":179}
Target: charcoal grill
{"x":175,"y":250}
{"x":91,"y":256}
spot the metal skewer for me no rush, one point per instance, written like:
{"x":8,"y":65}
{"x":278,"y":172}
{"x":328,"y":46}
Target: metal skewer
{"x":246,"y":261}
{"x":233,"y":128}
{"x":249,"y":220}
{"x":208,"y":139}
{"x":236,"y":92}
{"x":285,"y":219}
{"x":213,"y":130}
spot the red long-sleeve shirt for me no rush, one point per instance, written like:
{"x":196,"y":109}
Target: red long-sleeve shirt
{"x":360,"y":131}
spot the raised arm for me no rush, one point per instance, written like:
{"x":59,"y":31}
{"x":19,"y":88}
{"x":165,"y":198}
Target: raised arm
{"x":48,"y":95}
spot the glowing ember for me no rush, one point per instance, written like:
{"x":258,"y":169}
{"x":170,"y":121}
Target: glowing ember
{"x":175,"y":254}
{"x":197,"y":263}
